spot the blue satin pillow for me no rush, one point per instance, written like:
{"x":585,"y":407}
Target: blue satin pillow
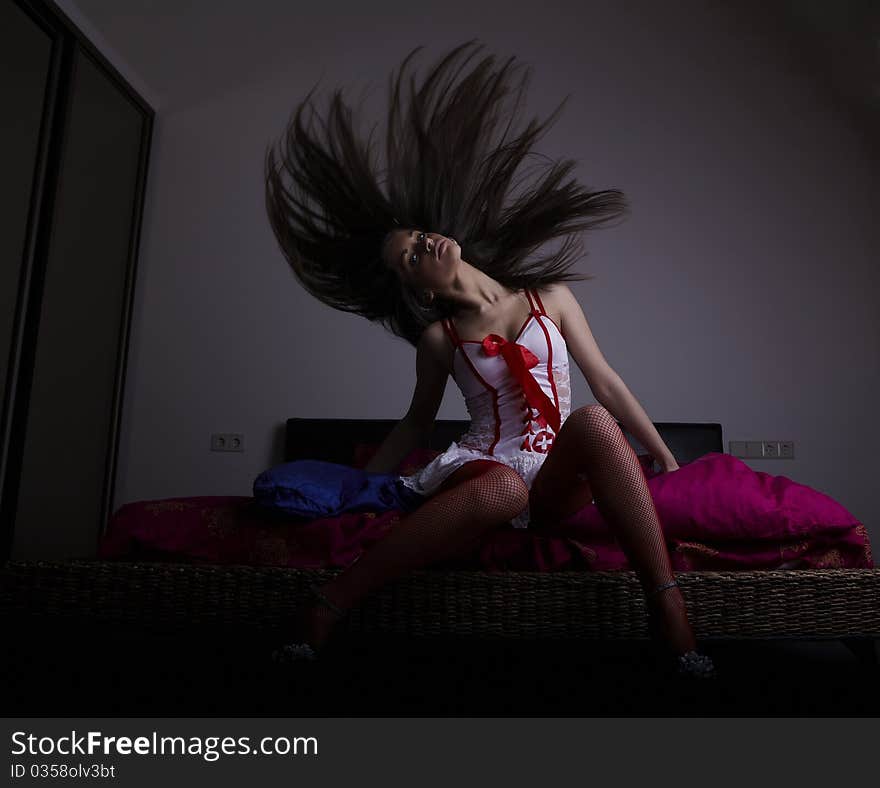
{"x":315,"y":489}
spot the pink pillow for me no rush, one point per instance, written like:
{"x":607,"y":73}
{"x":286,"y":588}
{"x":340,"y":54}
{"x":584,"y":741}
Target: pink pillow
{"x":720,"y":497}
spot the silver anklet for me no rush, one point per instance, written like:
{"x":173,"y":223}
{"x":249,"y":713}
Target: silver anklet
{"x":664,"y":587}
{"x":324,"y":601}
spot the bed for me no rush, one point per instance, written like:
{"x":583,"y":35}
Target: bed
{"x":176,"y":563}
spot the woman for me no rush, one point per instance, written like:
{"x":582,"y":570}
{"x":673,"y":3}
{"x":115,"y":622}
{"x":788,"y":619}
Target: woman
{"x":500,"y":322}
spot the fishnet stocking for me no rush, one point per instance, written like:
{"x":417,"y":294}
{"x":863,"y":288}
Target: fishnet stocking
{"x":591,"y":444}
{"x":480,"y":495}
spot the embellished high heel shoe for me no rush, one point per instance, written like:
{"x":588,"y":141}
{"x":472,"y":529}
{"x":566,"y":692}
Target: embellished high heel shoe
{"x":691,"y":664}
{"x":302,"y":651}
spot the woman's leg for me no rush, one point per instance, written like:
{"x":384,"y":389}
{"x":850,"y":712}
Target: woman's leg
{"x":477,"y":497}
{"x":590,"y":444}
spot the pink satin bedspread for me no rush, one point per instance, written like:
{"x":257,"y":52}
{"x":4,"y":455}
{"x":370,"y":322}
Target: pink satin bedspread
{"x":716,"y":513}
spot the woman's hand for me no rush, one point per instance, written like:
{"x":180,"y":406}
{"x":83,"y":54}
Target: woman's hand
{"x":669,"y":467}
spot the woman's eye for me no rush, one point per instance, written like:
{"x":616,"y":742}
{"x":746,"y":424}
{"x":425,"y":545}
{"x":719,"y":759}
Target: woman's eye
{"x":414,"y":256}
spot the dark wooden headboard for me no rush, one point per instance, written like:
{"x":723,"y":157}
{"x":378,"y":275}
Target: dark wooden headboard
{"x":333,"y":440}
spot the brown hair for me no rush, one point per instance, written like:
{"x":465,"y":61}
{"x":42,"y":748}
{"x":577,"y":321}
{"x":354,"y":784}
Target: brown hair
{"x":446,"y":173}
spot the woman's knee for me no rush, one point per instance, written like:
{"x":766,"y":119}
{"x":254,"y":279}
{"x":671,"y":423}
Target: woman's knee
{"x":591,"y":419}
{"x":500,"y":492}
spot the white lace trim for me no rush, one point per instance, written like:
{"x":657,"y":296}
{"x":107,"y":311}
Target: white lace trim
{"x":480,"y":433}
{"x":563,"y":388}
{"x":426,"y":481}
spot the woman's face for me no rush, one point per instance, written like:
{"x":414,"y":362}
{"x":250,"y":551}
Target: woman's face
{"x":423,"y":260}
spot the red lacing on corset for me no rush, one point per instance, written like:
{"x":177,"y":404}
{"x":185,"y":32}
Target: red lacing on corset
{"x":519,"y":360}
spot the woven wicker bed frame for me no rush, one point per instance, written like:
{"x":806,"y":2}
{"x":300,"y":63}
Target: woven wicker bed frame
{"x":822,"y":604}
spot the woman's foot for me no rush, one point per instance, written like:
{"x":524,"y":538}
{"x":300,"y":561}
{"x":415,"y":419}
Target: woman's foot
{"x":312,"y":626}
{"x":669,"y":624}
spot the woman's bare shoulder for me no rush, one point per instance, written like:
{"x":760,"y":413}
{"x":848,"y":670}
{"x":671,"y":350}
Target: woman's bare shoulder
{"x":433,"y":334}
{"x":436,"y":344}
{"x":555,"y":297}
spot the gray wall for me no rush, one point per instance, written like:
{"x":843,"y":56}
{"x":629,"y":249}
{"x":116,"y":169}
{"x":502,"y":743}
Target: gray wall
{"x":742,"y":289}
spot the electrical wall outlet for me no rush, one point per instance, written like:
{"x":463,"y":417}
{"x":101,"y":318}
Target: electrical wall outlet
{"x":227,"y":441}
{"x":762,"y":450}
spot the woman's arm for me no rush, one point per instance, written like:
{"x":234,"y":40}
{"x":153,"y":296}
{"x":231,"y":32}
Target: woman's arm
{"x":580,"y":342}
{"x":406,"y":436}
{"x":413,"y":429}
{"x":607,"y":387}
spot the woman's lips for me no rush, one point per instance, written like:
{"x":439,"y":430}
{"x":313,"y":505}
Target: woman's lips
{"x":441,"y":247}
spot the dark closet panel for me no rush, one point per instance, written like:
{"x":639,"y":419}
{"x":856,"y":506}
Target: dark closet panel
{"x":25,"y":57}
{"x":70,"y":428}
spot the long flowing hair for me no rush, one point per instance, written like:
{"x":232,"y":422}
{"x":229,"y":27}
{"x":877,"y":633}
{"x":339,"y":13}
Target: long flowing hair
{"x":447,"y":172}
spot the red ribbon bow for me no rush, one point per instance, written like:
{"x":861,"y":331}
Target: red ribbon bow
{"x":520,"y":360}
